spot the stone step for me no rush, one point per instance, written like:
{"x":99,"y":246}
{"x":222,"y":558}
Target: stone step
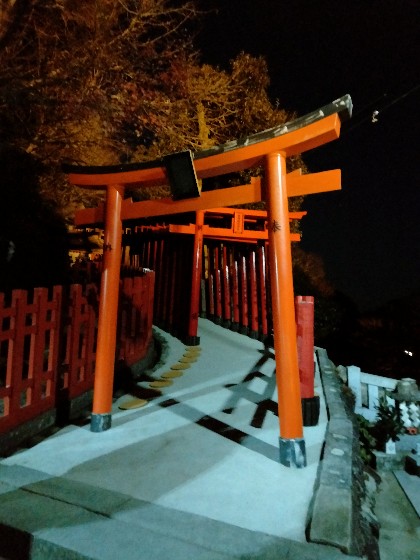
{"x":38,"y":527}
{"x":43,"y":517}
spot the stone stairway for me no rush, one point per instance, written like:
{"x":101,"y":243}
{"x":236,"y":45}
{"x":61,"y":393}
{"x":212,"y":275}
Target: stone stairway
{"x":43,"y":517}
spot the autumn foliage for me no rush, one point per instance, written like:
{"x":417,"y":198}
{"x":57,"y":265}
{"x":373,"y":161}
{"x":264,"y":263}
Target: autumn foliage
{"x":105,"y":82}
{"x":97,"y":82}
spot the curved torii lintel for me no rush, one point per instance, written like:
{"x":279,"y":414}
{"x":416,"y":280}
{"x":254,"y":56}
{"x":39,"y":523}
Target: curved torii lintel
{"x":300,"y":135}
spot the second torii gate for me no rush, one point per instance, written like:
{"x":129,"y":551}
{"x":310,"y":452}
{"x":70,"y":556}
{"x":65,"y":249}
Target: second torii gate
{"x":270,"y":148}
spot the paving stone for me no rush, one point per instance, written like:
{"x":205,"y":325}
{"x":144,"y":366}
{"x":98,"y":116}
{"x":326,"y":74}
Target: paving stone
{"x":89,"y":497}
{"x":332,"y":517}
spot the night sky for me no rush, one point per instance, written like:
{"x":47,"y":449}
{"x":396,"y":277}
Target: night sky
{"x":317,"y":51}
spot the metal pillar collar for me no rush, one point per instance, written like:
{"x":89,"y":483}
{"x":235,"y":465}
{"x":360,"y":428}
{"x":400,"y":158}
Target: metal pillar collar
{"x":292,"y":452}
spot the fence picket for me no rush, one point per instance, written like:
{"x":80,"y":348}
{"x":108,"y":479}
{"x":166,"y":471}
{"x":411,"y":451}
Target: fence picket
{"x":227,"y":318}
{"x":244,"y":329}
{"x":262,"y":291}
{"x":46,"y":346}
{"x":235,"y":290}
{"x":253,"y":295}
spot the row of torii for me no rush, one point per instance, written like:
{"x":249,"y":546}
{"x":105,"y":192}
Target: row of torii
{"x":269,"y":148}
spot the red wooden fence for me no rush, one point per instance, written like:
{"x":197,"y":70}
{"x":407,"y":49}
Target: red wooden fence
{"x":136,"y":314}
{"x":170,"y":256}
{"x":79,"y":341}
{"x":29,"y":338}
{"x":48,"y":344}
{"x":235,"y":289}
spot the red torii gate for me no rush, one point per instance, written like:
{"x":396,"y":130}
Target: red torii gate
{"x":200,"y":230}
{"x":271,"y":148}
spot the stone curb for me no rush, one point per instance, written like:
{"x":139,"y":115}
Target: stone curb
{"x":335,"y":516}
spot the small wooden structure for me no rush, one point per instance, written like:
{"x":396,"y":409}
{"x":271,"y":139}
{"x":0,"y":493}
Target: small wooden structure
{"x":269,"y":148}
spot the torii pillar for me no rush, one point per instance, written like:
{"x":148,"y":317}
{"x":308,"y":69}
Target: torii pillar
{"x":270,"y":147}
{"x":291,"y":442}
{"x":108,"y":311}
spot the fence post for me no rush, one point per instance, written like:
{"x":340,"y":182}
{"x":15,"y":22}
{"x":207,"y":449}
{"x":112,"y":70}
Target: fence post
{"x":224,"y":265}
{"x":159,"y":267}
{"x":253,"y":294}
{"x":243,"y":329}
{"x":19,"y":304}
{"x":192,"y":338}
{"x":235,"y":290}
{"x":149,"y":297}
{"x":262,"y":291}
{"x":45,"y":358}
{"x":353,"y":381}
{"x":218,"y":312}
{"x":373,"y":398}
{"x":175,"y":258}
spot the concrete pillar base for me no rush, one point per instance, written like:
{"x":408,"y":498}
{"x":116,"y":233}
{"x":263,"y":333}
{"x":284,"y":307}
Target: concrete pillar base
{"x":292,"y":452}
{"x":100,"y":422}
{"x":310,"y":410}
{"x":192,"y":340}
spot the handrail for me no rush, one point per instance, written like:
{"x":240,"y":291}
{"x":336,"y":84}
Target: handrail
{"x":368,"y":389}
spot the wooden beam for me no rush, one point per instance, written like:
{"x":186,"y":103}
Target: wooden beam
{"x":311,"y":183}
{"x":251,"y":213}
{"x":226,"y":233}
{"x":297,"y":185}
{"x":90,"y":216}
{"x":166,"y":206}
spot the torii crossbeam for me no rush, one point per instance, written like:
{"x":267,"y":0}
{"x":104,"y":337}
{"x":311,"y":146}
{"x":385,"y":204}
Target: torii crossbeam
{"x":269,"y":148}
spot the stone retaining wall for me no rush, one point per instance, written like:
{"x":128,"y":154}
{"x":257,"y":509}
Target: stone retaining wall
{"x":341,"y":514}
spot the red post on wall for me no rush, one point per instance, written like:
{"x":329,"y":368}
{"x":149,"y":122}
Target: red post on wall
{"x":108,"y":312}
{"x":304,"y":306}
{"x":291,"y":442}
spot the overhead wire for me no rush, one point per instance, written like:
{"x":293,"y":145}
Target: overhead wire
{"x":373,"y":116}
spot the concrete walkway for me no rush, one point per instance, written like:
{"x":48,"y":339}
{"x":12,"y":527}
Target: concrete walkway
{"x":399,"y":537}
{"x":194,"y":474}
